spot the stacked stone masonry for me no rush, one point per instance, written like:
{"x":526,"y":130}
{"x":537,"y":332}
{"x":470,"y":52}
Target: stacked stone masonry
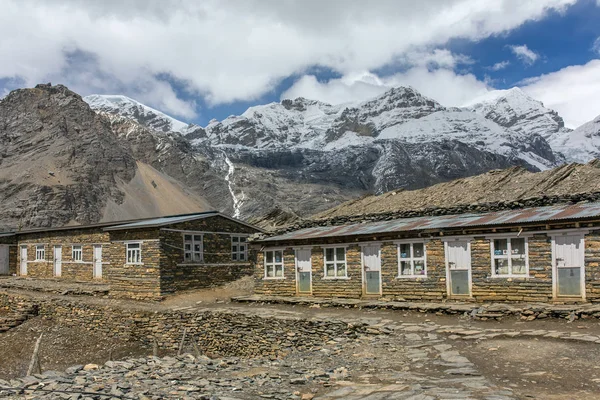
{"x":161,"y":269}
{"x":538,"y":285}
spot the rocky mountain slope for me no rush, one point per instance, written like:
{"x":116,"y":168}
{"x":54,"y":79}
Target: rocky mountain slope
{"x":62,"y":163}
{"x":579,"y":145}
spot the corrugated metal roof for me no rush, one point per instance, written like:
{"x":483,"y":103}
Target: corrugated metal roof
{"x":157,"y":222}
{"x":506,"y":217}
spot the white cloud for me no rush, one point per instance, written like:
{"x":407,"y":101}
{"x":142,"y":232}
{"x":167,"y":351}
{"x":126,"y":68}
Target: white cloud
{"x":443,"y":85}
{"x":572,"y":92}
{"x":596,"y":45}
{"x":499,"y":65}
{"x":524,"y":54}
{"x":236,"y":50}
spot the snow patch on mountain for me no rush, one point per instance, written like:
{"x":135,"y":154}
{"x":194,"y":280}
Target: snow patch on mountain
{"x":128,"y":107}
{"x":580,"y":145}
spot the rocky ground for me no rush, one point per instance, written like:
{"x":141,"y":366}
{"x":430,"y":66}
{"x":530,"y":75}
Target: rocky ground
{"x":398,"y":354}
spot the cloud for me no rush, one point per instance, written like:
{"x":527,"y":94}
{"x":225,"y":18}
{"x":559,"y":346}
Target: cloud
{"x":443,"y":85}
{"x":499,"y":65}
{"x":596,"y":45}
{"x":524,"y":54}
{"x":227,"y":51}
{"x":572,"y":92}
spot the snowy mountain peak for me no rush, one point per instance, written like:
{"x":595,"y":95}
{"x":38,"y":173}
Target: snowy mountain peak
{"x":130,"y":108}
{"x":515,"y":109}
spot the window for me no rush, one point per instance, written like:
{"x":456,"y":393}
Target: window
{"x":509,"y":257}
{"x":411,"y":260}
{"x":40,"y":252}
{"x":192,"y":248}
{"x":134,"y":253}
{"x":238,"y":248}
{"x":77,"y":253}
{"x":274,"y":264}
{"x":335,"y":262}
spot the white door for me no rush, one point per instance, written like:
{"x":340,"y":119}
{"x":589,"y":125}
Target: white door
{"x":23,"y":260}
{"x":98,"y":261}
{"x":4,"y":260}
{"x":303,"y":271}
{"x":458,"y":255}
{"x":372,"y":269}
{"x":57,"y":260}
{"x":569,"y":266}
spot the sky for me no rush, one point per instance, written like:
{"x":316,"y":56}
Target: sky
{"x":202,"y":60}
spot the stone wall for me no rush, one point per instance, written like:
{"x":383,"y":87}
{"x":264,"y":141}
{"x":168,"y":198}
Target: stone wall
{"x":73,"y":270}
{"x":135,"y":281}
{"x":535,"y":287}
{"x":217,"y":333}
{"x":217,"y":266}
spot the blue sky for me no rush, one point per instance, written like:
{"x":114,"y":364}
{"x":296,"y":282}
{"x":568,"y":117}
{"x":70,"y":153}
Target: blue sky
{"x":210,"y":60}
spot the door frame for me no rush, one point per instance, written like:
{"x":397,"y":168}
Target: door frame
{"x":555,"y":294}
{"x":362,"y":267}
{"x":57,"y":246}
{"x":449,"y":293}
{"x":94,"y":261}
{"x":23,"y":262}
{"x":298,"y":292}
{"x":7,"y":247}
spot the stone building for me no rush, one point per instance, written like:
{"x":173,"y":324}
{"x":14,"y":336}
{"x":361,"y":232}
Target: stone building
{"x":141,"y":259}
{"x":537,"y":254}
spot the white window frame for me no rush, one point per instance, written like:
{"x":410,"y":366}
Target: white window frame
{"x":508,"y":256}
{"x":412,"y":260}
{"x":194,"y":257}
{"x":40,"y":252}
{"x":139,"y":251}
{"x":274,"y":264}
{"x":74,"y":251}
{"x":335,"y":262}
{"x":235,"y":255}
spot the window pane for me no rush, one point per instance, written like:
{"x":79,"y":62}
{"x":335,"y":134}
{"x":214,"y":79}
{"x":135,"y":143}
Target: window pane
{"x":188,"y":256}
{"x":418,"y":250}
{"x":242,"y":239}
{"x":405,"y":250}
{"x":242,"y":257}
{"x":188,"y":237}
{"x":419,"y":267}
{"x":518,"y":266}
{"x":197,"y":256}
{"x":340,"y":253}
{"x":269,"y":256}
{"x":329,"y":270}
{"x":500,"y":247}
{"x":328,"y":254}
{"x":234,"y":256}
{"x":341,"y":269}
{"x":405,"y":268}
{"x":233,"y":248}
{"x":188,"y":246}
{"x":501,"y":266}
{"x":517,"y":246}
{"x":242,"y":247}
{"x":235,"y":239}
{"x":197,"y":247}
{"x":278,"y":256}
{"x":197,"y":238}
{"x":270,"y":270}
{"x":279,"y":270}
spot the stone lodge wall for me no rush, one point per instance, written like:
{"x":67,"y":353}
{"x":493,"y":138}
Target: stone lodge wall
{"x":73,"y":270}
{"x":217,"y":333}
{"x":535,"y":287}
{"x":432,"y":287}
{"x":217,"y":266}
{"x":136,"y":281}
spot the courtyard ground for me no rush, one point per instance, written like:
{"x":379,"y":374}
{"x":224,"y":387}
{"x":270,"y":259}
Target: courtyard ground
{"x":402,"y":355}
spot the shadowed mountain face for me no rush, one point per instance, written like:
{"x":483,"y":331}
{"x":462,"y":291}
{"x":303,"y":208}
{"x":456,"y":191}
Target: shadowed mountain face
{"x":72,"y":160}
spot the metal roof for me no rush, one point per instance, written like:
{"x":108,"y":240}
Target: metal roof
{"x":162,"y":221}
{"x":506,"y":217}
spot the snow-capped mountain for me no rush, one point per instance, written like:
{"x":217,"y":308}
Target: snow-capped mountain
{"x":301,"y":156}
{"x":130,"y":108}
{"x":580,"y":145}
{"x":517,"y":111}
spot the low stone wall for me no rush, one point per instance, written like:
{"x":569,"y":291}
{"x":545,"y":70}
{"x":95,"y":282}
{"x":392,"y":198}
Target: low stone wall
{"x":216,"y":333}
{"x":14,"y":312}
